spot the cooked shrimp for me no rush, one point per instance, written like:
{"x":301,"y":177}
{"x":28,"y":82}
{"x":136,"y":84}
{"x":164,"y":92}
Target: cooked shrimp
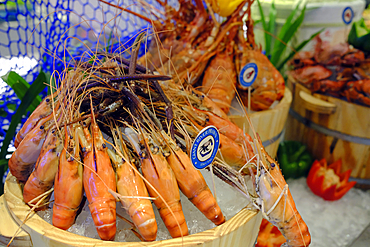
{"x":98,"y":179}
{"x":161,"y":177}
{"x":219,"y":81}
{"x":24,"y":157}
{"x":277,"y":203}
{"x":192,"y":184}
{"x":131,"y":185}
{"x":43,"y":110}
{"x":42,"y":178}
{"x":68,"y":187}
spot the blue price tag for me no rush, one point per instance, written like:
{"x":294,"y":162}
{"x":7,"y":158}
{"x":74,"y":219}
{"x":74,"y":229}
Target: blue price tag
{"x":205,"y":147}
{"x":248,"y":74}
{"x":347,"y":15}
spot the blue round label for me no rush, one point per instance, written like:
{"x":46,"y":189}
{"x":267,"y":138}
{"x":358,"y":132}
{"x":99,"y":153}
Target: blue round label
{"x":205,"y":147}
{"x":248,"y":74}
{"x":347,"y":15}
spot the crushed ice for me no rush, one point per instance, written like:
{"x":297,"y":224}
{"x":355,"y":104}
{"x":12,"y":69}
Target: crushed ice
{"x":229,"y":200}
{"x":336,"y":223}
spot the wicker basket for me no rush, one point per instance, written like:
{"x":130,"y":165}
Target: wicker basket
{"x":240,"y":230}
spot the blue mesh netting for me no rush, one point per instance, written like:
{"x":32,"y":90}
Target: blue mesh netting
{"x":38,"y":35}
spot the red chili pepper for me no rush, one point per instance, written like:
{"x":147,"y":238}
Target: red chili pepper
{"x":327,"y":181}
{"x":269,"y":235}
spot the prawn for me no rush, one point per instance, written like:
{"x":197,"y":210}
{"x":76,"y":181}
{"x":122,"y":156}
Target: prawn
{"x":98,"y":179}
{"x":219,"y":80}
{"x":22,"y":161}
{"x":231,"y":152}
{"x":270,"y":193}
{"x":68,"y":186}
{"x":269,"y":85}
{"x":192,"y":183}
{"x":43,"y":110}
{"x":42,"y":178}
{"x":131,"y":185}
{"x":159,"y":174}
{"x":226,"y":127}
{"x":277,"y":203}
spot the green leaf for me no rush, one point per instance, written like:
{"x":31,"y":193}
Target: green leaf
{"x":256,"y":22}
{"x":33,"y":91}
{"x":280,"y":47}
{"x":3,"y":113}
{"x":286,"y":27}
{"x":271,"y":27}
{"x":12,"y":106}
{"x":109,"y":45}
{"x":14,"y":4}
{"x":359,"y":36}
{"x":362,"y":24}
{"x":53,"y":83}
{"x":20,"y":86}
{"x":264,"y":25}
{"x":3,"y":162}
{"x":297,"y":49}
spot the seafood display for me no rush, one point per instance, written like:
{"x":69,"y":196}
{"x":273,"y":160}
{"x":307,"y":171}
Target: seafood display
{"x":117,"y":129}
{"x":340,"y":71}
{"x":144,"y":161}
{"x":194,"y":48}
{"x":149,"y":122}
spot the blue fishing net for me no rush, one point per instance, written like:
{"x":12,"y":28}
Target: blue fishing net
{"x":47,"y":35}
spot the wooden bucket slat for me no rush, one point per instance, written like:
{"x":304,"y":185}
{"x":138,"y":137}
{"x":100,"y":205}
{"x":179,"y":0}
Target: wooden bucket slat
{"x":268,"y":124}
{"x":347,"y":114}
{"x":348,"y":118}
{"x":241,"y":230}
{"x":8,"y":228}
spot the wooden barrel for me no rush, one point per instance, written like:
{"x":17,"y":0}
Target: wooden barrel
{"x":332,"y":129}
{"x":269,"y":124}
{"x":240,"y":230}
{"x":8,"y":228}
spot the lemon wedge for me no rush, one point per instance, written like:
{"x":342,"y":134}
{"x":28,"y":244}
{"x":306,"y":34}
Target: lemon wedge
{"x":225,"y":7}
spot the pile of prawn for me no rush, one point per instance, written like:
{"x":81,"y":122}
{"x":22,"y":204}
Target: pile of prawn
{"x":115,"y":131}
{"x":195,"y":48}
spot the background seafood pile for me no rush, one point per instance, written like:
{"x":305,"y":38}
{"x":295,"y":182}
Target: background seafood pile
{"x":340,"y":71}
{"x":209,"y":53}
{"x":149,"y":126}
